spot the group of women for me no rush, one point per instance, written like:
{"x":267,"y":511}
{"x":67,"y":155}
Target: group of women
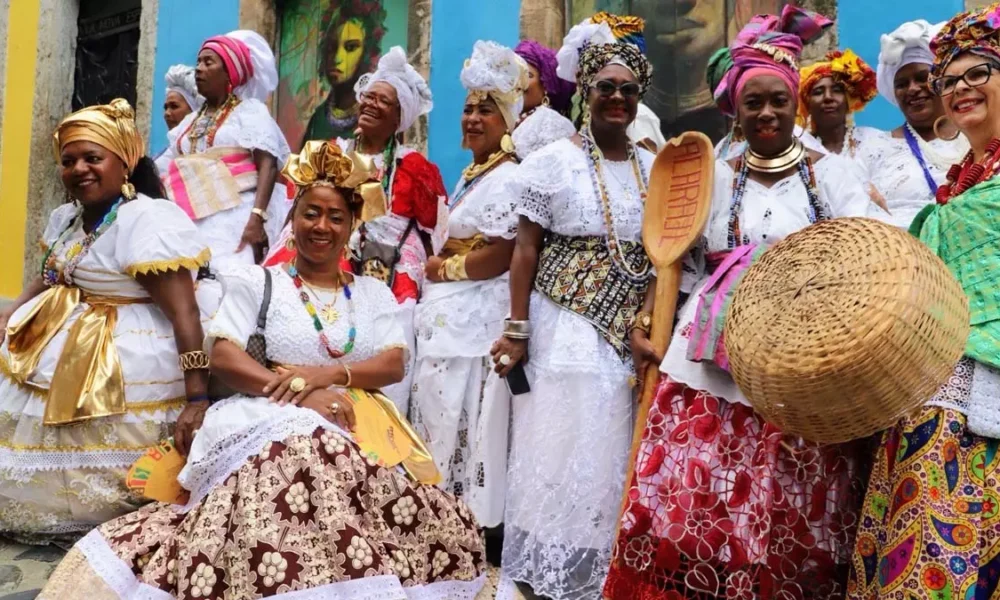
{"x":510,"y":320}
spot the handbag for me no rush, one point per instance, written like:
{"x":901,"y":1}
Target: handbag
{"x":379,"y":260}
{"x":256,"y":346}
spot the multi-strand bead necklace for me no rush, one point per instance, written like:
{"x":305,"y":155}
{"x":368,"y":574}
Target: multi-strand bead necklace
{"x":318,"y":325}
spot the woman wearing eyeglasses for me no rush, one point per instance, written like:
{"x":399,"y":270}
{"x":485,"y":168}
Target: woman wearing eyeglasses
{"x":909,"y":164}
{"x":396,"y":237}
{"x":930,"y":526}
{"x":722,"y":504}
{"x":579,"y":272}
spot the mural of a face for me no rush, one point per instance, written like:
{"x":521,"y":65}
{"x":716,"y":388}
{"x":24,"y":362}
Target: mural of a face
{"x":348,"y":53}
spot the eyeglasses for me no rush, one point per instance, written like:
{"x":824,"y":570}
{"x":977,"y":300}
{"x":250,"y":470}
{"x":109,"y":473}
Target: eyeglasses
{"x":629,"y":89}
{"x":381,"y":101}
{"x":973,"y":77}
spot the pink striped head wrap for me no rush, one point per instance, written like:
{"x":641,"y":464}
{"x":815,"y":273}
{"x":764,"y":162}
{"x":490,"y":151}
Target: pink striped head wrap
{"x":235,"y":56}
{"x":769,"y":45}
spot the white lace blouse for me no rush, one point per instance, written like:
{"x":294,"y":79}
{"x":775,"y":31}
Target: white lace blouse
{"x":539,"y":129}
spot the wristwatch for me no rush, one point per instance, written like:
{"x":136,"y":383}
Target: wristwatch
{"x":643,"y":321}
{"x":260,"y":213}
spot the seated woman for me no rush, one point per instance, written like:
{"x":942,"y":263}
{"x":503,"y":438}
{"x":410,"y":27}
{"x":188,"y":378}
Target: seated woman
{"x":116,"y":285}
{"x":282,"y":497}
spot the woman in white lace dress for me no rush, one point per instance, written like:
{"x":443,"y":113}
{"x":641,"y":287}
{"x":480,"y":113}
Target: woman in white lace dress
{"x":578,"y":275}
{"x":116,"y":288}
{"x":222,"y":162}
{"x":909,"y":164}
{"x":546,"y":101}
{"x":286,"y":494}
{"x":723,"y":504}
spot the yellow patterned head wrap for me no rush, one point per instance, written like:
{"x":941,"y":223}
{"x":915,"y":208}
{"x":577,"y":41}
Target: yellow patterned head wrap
{"x":112,"y":126}
{"x":324,"y":163}
{"x":846,"y":68}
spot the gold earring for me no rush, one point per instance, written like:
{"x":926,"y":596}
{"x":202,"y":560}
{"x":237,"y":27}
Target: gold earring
{"x":546,"y":101}
{"x":290,"y":244}
{"x":937,"y":128}
{"x":507,"y":144}
{"x":737,"y":132}
{"x":128,"y":190}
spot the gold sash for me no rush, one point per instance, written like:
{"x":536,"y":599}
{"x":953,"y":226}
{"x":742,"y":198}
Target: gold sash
{"x":88,"y":381}
{"x":463,"y":246}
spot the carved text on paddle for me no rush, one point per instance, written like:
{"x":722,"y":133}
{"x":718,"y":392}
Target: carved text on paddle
{"x":686,"y":182}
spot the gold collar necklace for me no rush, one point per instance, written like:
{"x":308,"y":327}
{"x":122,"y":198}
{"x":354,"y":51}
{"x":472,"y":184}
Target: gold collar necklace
{"x":776,"y":164}
{"x":473,"y":171}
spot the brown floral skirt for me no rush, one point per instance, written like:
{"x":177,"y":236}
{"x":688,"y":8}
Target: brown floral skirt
{"x":310,"y":513}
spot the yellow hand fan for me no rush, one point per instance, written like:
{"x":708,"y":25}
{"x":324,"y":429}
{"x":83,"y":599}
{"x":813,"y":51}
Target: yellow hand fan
{"x":154,"y":475}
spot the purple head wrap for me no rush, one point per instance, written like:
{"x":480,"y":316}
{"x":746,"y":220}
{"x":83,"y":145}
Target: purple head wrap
{"x":773,"y":44}
{"x":543,"y":59}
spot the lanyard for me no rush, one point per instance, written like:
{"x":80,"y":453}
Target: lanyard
{"x":915,"y":149}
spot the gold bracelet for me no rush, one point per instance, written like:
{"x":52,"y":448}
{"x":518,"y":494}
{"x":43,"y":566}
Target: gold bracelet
{"x":193,"y":361}
{"x":454,"y":268}
{"x":347,"y":370}
{"x":643,"y":321}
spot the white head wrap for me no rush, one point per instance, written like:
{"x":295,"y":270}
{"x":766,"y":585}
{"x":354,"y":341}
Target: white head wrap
{"x":180,"y":79}
{"x":265,"y":72}
{"x":910,"y":43}
{"x":498,"y":71}
{"x":584,"y":34}
{"x":411,"y":88}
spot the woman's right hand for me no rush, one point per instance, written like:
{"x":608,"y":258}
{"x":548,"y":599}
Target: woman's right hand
{"x":333,"y":407}
{"x":517,"y":350}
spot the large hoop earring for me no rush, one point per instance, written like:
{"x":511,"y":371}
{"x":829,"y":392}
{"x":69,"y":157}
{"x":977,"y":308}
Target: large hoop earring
{"x":546,"y":101}
{"x":937,"y":127}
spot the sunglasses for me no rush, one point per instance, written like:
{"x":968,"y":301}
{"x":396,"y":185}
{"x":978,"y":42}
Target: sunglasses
{"x":973,"y":77}
{"x":607,"y":88}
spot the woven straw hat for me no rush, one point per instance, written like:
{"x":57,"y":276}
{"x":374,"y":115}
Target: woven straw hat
{"x":843,"y":328}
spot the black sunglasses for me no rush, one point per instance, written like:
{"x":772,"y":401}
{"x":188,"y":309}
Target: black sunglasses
{"x":973,"y":77}
{"x":629,"y":89}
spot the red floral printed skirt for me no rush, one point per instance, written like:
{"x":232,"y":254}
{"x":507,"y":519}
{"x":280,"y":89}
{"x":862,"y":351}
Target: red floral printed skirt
{"x":723,"y":505}
{"x":309,"y":513}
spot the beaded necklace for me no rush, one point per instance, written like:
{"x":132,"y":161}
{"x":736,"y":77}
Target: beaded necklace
{"x":817,"y":212}
{"x":207,"y":126}
{"x":911,"y":141}
{"x":595,"y":159}
{"x":323,"y":339}
{"x":969,"y":173}
{"x":50,"y":268}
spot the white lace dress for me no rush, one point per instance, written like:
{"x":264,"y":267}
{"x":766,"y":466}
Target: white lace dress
{"x":539,"y":129}
{"x":69,"y":478}
{"x":249,"y":126}
{"x":456,"y":323}
{"x":898,"y":177}
{"x":571,"y":434}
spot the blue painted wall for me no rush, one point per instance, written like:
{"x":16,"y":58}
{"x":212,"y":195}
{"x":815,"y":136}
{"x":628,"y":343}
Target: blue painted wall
{"x":455,"y":27}
{"x":181,"y":27}
{"x":860,"y":25}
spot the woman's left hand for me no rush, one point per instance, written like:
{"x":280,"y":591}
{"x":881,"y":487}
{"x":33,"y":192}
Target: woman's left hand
{"x":433,"y":269}
{"x":188,"y":424}
{"x":644,"y":355}
{"x":253,"y":233}
{"x":316,"y":378}
{"x":333,"y":407}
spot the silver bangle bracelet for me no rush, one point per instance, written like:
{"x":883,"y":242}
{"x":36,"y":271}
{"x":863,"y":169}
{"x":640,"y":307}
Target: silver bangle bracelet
{"x":513,"y":335}
{"x":516,"y":327}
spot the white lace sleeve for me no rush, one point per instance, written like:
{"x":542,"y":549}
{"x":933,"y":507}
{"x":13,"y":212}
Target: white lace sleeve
{"x":156,"y":236}
{"x":257,"y":130}
{"x":236,"y":318}
{"x":59,"y":220}
{"x":388,"y":317}
{"x":539,"y":181}
{"x":543,"y":127}
{"x":498,"y":217}
{"x":841,"y":188}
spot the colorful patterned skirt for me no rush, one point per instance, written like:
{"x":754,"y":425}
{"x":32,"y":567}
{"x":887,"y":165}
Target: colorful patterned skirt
{"x":723,"y":505}
{"x":930,"y":527}
{"x":310,"y":513}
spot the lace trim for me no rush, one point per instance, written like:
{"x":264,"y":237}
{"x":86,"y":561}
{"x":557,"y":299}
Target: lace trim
{"x":113,"y":570}
{"x":506,"y":588}
{"x":984,"y":413}
{"x":170,"y":264}
{"x":216,"y":335}
{"x":232,"y":452}
{"x":14,"y":460}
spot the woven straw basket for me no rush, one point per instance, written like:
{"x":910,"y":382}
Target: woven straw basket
{"x":843,"y":328}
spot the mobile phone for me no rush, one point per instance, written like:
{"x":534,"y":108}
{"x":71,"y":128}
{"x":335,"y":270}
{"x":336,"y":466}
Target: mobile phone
{"x":517,"y":381}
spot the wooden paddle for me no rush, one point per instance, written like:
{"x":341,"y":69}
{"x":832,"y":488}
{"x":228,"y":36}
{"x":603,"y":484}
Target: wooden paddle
{"x":677,"y":207}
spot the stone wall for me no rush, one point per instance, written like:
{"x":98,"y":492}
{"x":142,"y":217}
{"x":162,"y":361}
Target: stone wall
{"x":828,"y":41}
{"x":57,"y":32}
{"x":974,"y":4}
{"x":418,"y":43}
{"x":543,"y":21}
{"x":144,"y":109}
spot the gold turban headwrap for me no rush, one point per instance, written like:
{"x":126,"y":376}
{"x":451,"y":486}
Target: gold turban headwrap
{"x":109,"y":125}
{"x":324,"y":163}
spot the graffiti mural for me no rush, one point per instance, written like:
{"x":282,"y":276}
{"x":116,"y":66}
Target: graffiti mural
{"x":324,"y":47}
{"x":681,"y":35}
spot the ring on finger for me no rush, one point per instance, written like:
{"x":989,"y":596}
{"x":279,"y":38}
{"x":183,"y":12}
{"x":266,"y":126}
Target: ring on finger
{"x":504,"y":359}
{"x":334,"y":408}
{"x":297,"y":384}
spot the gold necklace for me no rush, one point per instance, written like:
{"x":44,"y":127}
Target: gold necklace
{"x":328,"y":312}
{"x":775,"y":164}
{"x":473,"y":171}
